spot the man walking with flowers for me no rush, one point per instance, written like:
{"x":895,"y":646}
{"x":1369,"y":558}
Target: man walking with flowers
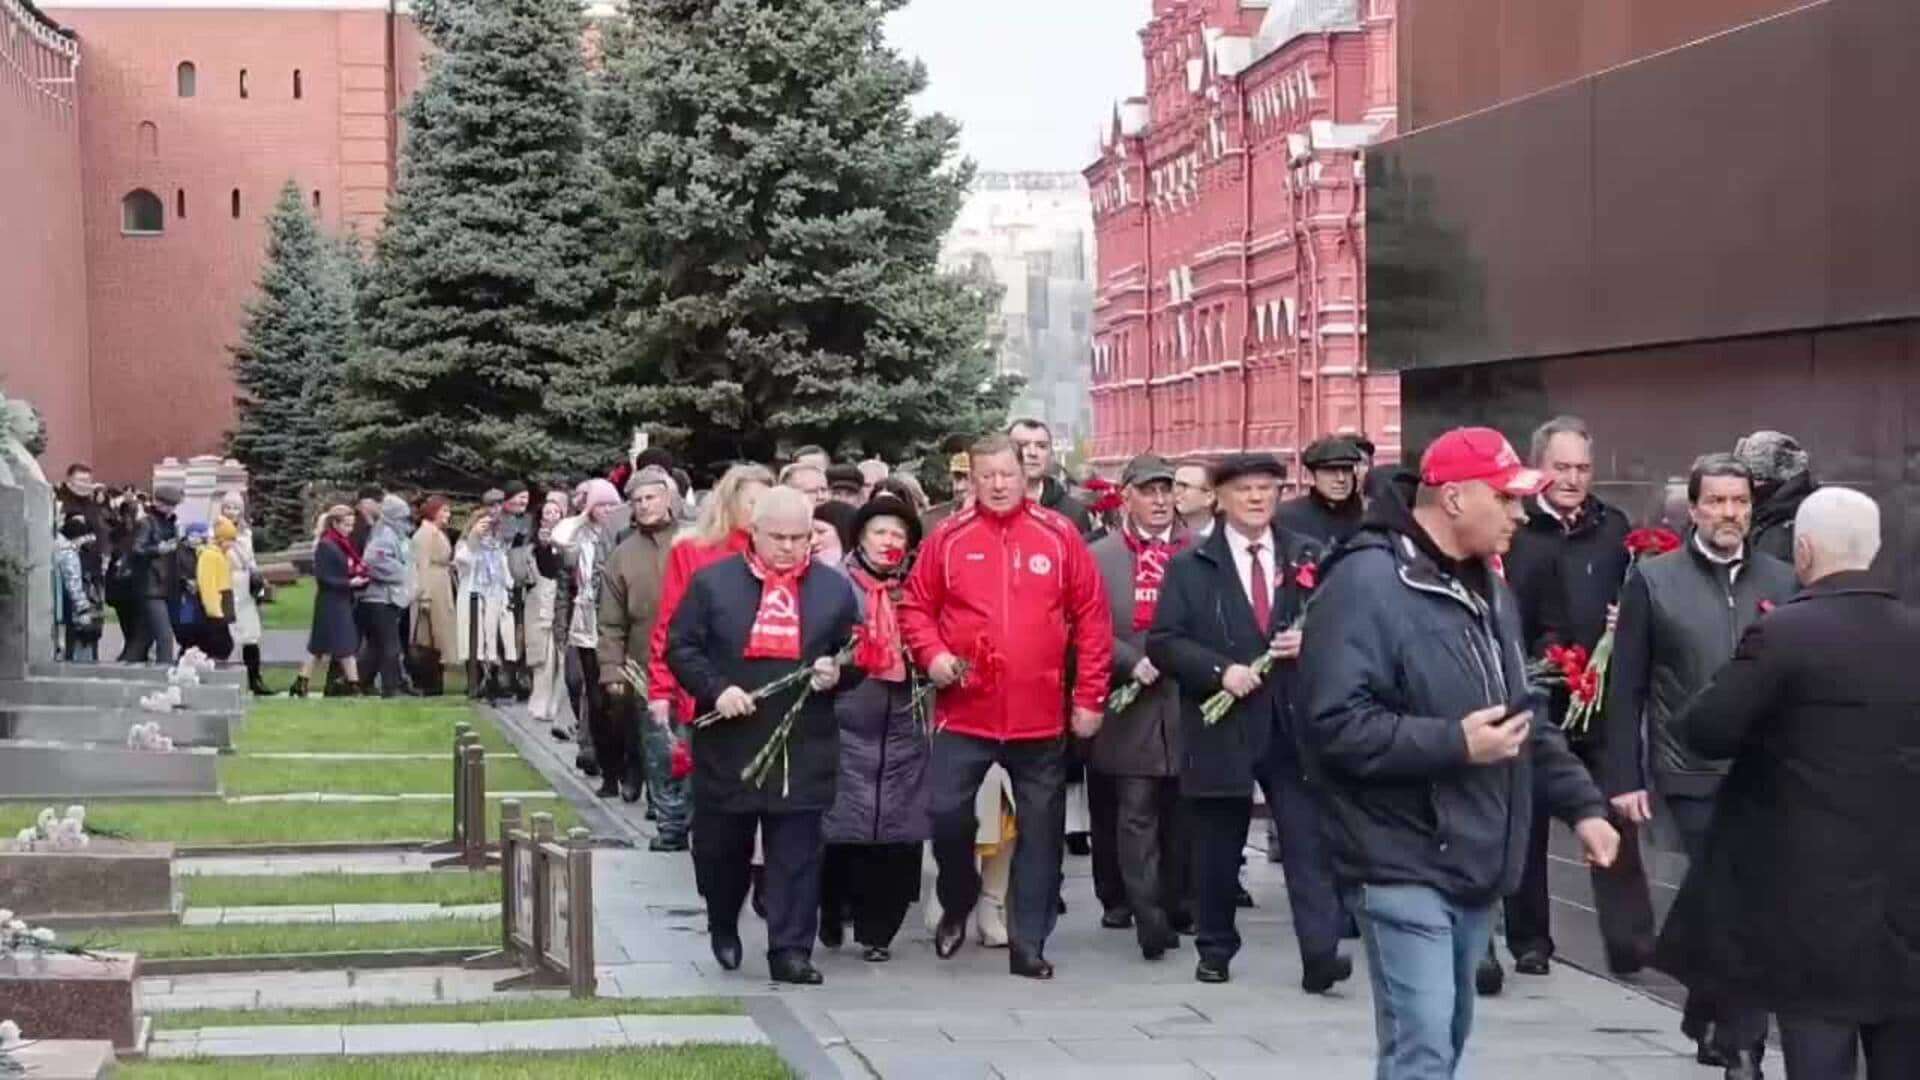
{"x":1138,"y":749}
{"x":1568,"y":561}
{"x":1004,"y":589}
{"x":1421,"y":727}
{"x":1227,"y":632}
{"x":746,"y":622}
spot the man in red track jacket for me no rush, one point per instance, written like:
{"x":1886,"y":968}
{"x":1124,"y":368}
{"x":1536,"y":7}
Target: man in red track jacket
{"x":1004,"y":594}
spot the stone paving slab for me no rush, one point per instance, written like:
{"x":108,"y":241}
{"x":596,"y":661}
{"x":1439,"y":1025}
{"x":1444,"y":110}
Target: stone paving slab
{"x":411,"y":796}
{"x":334,"y":914}
{"x":574,"y":1033}
{"x":372,"y":862}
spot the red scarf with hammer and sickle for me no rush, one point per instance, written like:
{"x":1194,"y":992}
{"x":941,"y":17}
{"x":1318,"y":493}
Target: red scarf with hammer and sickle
{"x":1150,"y":558}
{"x":776,"y":626}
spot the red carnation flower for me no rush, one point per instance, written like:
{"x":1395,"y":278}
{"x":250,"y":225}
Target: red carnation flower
{"x":682,"y":759}
{"x":1652,"y":541}
{"x":1766,"y":607}
{"x":1307,"y":576}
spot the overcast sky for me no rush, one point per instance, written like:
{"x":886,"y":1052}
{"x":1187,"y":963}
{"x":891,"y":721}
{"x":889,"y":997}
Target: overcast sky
{"x":1031,"y":81}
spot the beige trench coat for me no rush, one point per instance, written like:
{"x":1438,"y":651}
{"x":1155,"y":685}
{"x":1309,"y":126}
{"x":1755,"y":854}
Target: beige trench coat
{"x":433,"y":611}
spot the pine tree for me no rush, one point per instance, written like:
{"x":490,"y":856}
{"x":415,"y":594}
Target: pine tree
{"x":482,"y":316}
{"x":288,"y":366}
{"x":779,"y":215}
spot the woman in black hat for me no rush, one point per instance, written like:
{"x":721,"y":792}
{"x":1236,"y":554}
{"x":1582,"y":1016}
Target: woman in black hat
{"x":879,"y":815}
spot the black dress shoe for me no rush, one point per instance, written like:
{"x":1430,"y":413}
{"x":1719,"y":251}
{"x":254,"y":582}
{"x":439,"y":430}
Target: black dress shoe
{"x":586,"y":764}
{"x":1242,"y":898}
{"x":949,"y":935}
{"x":1117,"y":918}
{"x":1626,"y":961}
{"x":832,"y":933}
{"x":629,"y":792}
{"x":560,"y":734}
{"x":667,"y":843}
{"x":609,"y":787}
{"x":1706,"y":1053}
{"x":1533,"y":962}
{"x":792,"y":966}
{"x":1028,"y":963}
{"x":1079,"y":844}
{"x":877,"y":954}
{"x":1155,"y":936}
{"x":726,"y":948}
{"x":1320,"y":975}
{"x":1207,"y":971}
{"x":1489,"y":977}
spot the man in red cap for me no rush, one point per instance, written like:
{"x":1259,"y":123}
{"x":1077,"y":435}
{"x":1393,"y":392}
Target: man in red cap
{"x":1420,"y":730}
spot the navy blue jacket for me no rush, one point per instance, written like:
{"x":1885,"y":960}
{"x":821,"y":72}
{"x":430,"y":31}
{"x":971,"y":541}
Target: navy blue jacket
{"x":1203,"y":625}
{"x":1397,"y":651}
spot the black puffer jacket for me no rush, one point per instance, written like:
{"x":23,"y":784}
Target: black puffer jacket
{"x":156,"y":568}
{"x":1565,"y":577}
{"x":1400,"y":645}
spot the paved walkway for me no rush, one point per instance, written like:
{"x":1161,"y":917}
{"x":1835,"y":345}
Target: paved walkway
{"x":577,"y":1033}
{"x":1108,"y":1013}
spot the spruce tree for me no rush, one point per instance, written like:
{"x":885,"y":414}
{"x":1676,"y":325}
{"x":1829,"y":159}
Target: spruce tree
{"x":288,"y":366}
{"x":482,"y":315}
{"x":779,"y":215}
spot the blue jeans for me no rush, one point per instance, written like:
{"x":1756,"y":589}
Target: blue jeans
{"x":1422,"y":949}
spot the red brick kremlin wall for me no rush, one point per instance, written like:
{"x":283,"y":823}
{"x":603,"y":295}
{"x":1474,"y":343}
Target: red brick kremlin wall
{"x":43,"y":283}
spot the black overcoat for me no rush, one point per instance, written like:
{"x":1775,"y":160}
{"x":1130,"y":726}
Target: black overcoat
{"x":1808,"y":900}
{"x":705,"y":644}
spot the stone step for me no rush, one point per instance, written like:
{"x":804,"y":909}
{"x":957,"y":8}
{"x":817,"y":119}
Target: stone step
{"x":59,"y":669}
{"x":109,"y":692}
{"x":80,"y":724}
{"x":60,"y":770}
{"x":492,"y":1037}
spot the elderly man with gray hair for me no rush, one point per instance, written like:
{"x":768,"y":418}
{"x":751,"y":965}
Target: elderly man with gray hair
{"x":1803,"y":901}
{"x":745,"y":622}
{"x":629,"y":605}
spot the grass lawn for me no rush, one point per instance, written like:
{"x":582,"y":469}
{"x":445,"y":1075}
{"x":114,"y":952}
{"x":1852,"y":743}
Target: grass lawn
{"x":399,"y":726}
{"x":664,"y":1063}
{"x":165,"y":942}
{"x":445,"y":888}
{"x":292,"y":607}
{"x":243,"y":775}
{"x":210,"y":821}
{"x":474,"y":1012}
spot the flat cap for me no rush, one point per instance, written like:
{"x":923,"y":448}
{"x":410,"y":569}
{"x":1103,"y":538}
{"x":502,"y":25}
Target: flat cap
{"x":846,"y":478}
{"x":1234,"y":466}
{"x":1146,"y":469}
{"x":1332,"y":452}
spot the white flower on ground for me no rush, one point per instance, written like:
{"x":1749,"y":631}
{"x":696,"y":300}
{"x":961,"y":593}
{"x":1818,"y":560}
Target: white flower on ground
{"x":46,"y":819}
{"x":9,"y":1033}
{"x":77,"y":812}
{"x":43,"y":936}
{"x":27,"y":836}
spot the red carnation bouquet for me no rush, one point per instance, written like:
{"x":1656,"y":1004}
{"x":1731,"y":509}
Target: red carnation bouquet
{"x":1586,"y":682}
{"x":981,"y":665}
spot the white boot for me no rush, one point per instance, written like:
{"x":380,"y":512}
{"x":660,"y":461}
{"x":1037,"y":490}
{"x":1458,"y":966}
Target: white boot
{"x":990,"y":914}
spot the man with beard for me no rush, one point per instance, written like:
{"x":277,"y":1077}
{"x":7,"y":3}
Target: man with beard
{"x":1681,"y":614}
{"x":1782,"y":480}
{"x":1566,"y":566}
{"x":1331,"y":509}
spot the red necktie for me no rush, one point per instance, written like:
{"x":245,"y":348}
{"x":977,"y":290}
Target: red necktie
{"x":1262,"y":595}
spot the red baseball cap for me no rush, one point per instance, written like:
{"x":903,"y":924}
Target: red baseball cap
{"x":1483,"y":454}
